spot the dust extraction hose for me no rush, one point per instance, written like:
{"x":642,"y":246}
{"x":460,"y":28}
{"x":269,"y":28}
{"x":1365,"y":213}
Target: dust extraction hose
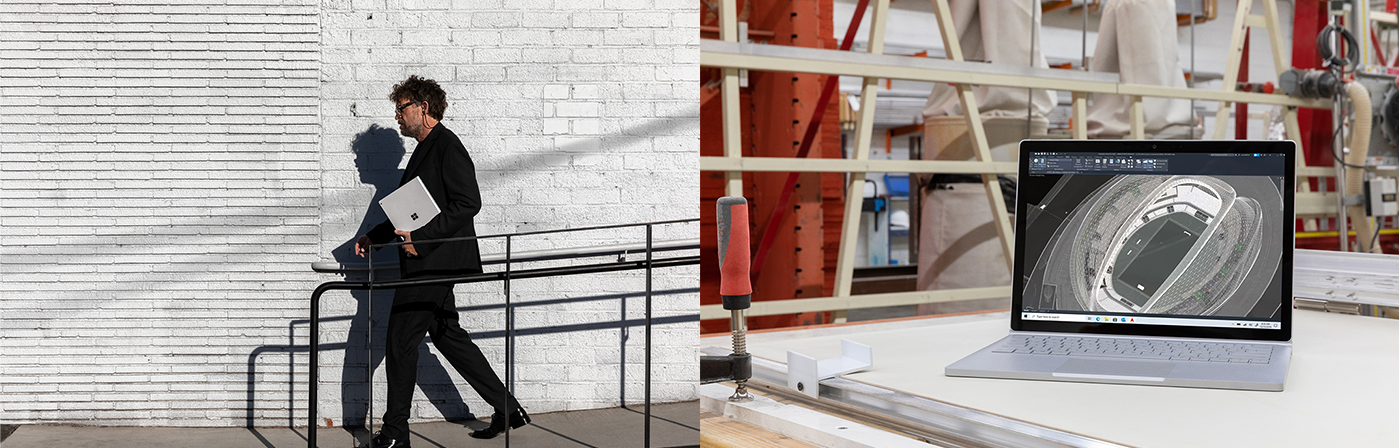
{"x":1355,"y":177}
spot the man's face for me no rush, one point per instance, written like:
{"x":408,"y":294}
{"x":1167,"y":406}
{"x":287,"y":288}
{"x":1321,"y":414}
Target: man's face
{"x":410,"y":118}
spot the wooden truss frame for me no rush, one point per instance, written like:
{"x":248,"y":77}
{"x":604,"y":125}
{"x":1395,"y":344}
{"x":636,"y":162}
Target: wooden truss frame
{"x":733,"y":56}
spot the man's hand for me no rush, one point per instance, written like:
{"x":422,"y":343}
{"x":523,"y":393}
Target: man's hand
{"x":407,"y":238}
{"x":362,"y":245}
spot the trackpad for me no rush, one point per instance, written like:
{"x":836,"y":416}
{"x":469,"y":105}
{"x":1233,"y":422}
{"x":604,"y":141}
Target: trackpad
{"x":1106,"y":368}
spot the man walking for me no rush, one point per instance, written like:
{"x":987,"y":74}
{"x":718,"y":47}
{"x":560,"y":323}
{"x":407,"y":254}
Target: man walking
{"x":446,"y":170}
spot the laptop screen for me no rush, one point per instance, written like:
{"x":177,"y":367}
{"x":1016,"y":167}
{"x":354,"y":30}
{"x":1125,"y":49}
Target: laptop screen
{"x":1166,"y":238}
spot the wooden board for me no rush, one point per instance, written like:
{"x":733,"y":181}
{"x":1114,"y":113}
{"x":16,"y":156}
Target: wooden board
{"x":717,"y":431}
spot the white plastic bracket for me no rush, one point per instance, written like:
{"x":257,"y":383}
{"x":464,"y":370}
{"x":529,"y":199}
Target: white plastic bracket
{"x":804,"y":373}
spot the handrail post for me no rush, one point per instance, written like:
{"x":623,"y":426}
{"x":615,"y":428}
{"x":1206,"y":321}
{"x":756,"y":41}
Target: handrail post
{"x":369,"y":346}
{"x":315,"y":365}
{"x":509,"y":344}
{"x":648,"y":336}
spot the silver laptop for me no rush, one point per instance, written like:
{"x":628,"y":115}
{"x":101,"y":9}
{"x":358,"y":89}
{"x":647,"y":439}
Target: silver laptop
{"x":1165,"y":263}
{"x":410,"y":207}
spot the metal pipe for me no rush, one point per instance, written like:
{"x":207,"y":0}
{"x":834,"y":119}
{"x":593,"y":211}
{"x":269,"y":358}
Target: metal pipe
{"x":527,"y":256}
{"x":315,"y":361}
{"x":739,"y":326}
{"x":509,"y":344}
{"x":313,"y":388}
{"x":369,"y":345}
{"x":648,"y":336}
{"x":1338,"y":145}
{"x":537,"y":232}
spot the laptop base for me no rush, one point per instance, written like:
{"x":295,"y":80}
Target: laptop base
{"x":1261,"y":377}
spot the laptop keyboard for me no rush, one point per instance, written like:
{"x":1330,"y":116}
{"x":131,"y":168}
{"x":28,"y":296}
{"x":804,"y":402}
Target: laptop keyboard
{"x":1137,"y":349}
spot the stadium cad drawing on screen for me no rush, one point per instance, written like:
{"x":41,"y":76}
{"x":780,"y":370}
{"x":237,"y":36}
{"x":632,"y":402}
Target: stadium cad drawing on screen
{"x":1178,"y":239}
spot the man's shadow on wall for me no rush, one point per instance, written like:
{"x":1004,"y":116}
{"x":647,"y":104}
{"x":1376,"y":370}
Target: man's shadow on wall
{"x":378,"y":151}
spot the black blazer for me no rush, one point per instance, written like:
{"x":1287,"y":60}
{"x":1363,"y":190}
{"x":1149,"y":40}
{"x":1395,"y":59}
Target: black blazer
{"x":450,"y":177}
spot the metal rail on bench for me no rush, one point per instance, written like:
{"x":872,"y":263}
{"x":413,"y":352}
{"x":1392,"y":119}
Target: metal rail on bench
{"x":505,"y":276}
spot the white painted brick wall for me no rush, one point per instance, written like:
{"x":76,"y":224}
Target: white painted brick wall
{"x":159,"y":175}
{"x":529,"y":91}
{"x":168,"y":173}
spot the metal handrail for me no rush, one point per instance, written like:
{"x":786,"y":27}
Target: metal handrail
{"x":504,"y":276}
{"x":537,"y":255}
{"x":536,"y":232}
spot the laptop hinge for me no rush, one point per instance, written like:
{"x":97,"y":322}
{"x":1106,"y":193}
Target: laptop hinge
{"x":1307,"y":303}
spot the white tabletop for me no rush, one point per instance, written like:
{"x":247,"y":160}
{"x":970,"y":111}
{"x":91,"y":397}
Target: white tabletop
{"x":1340,"y":391}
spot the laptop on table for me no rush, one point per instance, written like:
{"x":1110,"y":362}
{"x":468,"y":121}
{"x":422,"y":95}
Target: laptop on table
{"x":1164,"y":263}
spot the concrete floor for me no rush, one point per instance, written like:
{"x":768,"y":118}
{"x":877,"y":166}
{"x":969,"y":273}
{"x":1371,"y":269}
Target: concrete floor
{"x":674,"y":425}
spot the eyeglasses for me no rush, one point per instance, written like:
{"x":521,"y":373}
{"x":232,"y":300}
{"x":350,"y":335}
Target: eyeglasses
{"x":404,"y":106}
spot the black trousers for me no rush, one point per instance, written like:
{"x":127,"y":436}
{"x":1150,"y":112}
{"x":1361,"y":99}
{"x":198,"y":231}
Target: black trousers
{"x":432,"y":310}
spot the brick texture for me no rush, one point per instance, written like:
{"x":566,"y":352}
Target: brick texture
{"x":168,"y":173}
{"x":534,"y":95}
{"x":159,"y":196}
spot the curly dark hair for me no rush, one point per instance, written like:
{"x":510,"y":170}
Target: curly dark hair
{"x":417,"y":89}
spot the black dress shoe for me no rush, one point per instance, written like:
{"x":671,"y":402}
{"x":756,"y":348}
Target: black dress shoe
{"x":382,"y":441}
{"x":517,"y":419}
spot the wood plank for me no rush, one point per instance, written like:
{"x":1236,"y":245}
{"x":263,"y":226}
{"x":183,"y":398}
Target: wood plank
{"x":717,"y":431}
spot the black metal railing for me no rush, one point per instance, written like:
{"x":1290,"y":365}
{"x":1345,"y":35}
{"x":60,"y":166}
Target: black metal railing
{"x":506,"y":276}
